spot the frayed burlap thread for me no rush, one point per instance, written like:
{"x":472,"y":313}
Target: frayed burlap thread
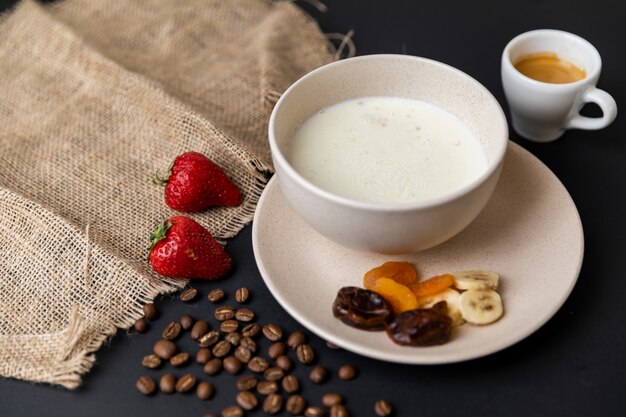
{"x":97,"y":98}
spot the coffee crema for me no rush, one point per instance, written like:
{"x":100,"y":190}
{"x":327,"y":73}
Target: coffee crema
{"x":547,"y":67}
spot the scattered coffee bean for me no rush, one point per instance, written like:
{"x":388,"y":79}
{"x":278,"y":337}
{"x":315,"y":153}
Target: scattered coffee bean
{"x":186,"y":322}
{"x":332,"y":346}
{"x":221,"y":349}
{"x":151,"y":361}
{"x":209,"y":338}
{"x":188,"y":295}
{"x":199,"y":329}
{"x":318,"y":374}
{"x":272,"y":332}
{"x":204,"y":391}
{"x":146,"y":385}
{"x":233,"y":338}
{"x":258,"y":364}
{"x":167,"y":384}
{"x":295,"y":404}
{"x":347,"y":372}
{"x":247,"y":400}
{"x":232,"y":411}
{"x":185,"y":383}
{"x":243,"y":354}
{"x":291,"y":384}
{"x":339,"y":410}
{"x":284,"y":362}
{"x":203,"y":355}
{"x":276,"y":349}
{"x":244,"y":315}
{"x":251,"y":330}
{"x":305,"y":354}
{"x":229,"y":326}
{"x":164,"y":349}
{"x":213,"y":366}
{"x":331,"y":398}
{"x":179,"y":359}
{"x":242,"y":295}
{"x":150,"y":311}
{"x":383,"y":408}
{"x":314,"y":412}
{"x":272,"y":404}
{"x":171,"y":331}
{"x":274,"y":373}
{"x":247,"y":383}
{"x":224,"y":313}
{"x":248,"y":343}
{"x":267,"y":387}
{"x":232,"y":365}
{"x":296,"y":339}
{"x":216,"y":295}
{"x":141,"y":325}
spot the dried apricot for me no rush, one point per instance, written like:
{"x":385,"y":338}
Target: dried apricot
{"x":401,"y":272}
{"x":432,"y":285}
{"x":399,"y":296}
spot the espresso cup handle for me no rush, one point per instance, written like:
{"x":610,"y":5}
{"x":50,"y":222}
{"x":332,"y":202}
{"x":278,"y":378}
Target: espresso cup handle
{"x":604,"y":101}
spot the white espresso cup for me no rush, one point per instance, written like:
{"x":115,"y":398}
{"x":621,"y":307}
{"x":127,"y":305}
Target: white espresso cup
{"x":542,"y":111}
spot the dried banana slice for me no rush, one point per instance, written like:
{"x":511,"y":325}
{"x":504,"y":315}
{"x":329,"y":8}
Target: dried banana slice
{"x":481,"y":306}
{"x":476,"y":280}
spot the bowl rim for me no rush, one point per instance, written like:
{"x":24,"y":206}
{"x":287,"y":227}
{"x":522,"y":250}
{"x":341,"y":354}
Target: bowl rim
{"x":281,"y":160}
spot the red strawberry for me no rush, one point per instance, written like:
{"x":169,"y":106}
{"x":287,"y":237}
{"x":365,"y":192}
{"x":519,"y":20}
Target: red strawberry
{"x":196,"y":183}
{"x":183,"y":248}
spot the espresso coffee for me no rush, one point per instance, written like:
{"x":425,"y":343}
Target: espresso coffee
{"x":547,"y":67}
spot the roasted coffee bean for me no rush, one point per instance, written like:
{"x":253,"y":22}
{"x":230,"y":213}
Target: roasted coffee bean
{"x":242,"y":295}
{"x":150,"y":311}
{"x":209,"y":339}
{"x":314,"y":412}
{"x":216,"y":295}
{"x":221,"y":349}
{"x":274,"y":373}
{"x":258,"y":364}
{"x":272,"y":404}
{"x":188,"y":295}
{"x":141,"y":325}
{"x":331,"y":398}
{"x":233,"y":338}
{"x":244,"y":314}
{"x":284,"y":362}
{"x":185,"y":383}
{"x":339,"y":410}
{"x":229,"y":326}
{"x":171,"y":331}
{"x":203,"y":355}
{"x":291,"y":384}
{"x":224,"y":313}
{"x":332,"y":346}
{"x":247,"y":383}
{"x":251,"y":330}
{"x":186,"y":322}
{"x":383,"y":408}
{"x":276,"y":349}
{"x":347,"y":372}
{"x":272,"y":332}
{"x":243,"y":354}
{"x":248,"y":343}
{"x":305,"y":353}
{"x":295,"y":404}
{"x":179,"y":359}
{"x":199,"y":329}
{"x":247,"y":400}
{"x":151,"y":361}
{"x":232,"y":365}
{"x":146,"y":385}
{"x":267,"y":387}
{"x":204,"y":391}
{"x":213,"y":366}
{"x":232,"y":411}
{"x":318,"y":374}
{"x":167,"y":383}
{"x":296,"y":339}
{"x":164,"y":349}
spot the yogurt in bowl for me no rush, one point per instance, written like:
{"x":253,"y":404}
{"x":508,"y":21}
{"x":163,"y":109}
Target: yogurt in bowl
{"x":387,"y":153}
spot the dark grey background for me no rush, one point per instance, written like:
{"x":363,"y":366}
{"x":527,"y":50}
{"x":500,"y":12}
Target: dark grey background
{"x":573,"y":366}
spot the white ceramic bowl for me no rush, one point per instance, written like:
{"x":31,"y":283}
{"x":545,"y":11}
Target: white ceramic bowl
{"x":388,"y":228}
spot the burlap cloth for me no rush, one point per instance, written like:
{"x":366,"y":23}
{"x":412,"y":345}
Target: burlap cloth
{"x":96,"y":97}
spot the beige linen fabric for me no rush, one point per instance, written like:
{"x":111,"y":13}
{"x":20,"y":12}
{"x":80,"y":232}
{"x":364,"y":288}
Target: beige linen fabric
{"x":98,"y":96}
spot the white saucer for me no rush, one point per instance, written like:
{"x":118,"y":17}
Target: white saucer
{"x":530,"y":233}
